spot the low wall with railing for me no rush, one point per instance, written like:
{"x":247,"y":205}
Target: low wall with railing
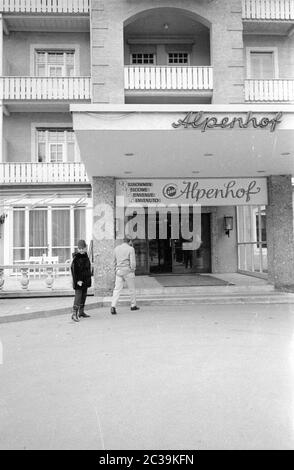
{"x":22,"y":173}
{"x":35,"y":277}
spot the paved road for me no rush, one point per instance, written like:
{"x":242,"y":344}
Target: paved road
{"x":191,"y":377}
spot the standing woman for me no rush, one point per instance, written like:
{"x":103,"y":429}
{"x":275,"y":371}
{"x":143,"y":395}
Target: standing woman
{"x":81,"y":276}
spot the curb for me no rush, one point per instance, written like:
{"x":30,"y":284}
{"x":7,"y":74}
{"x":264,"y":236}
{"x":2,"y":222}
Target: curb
{"x":168,"y":301}
{"x":44,"y":313}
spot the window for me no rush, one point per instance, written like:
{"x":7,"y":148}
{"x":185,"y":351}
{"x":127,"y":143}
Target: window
{"x":35,"y":235}
{"x":38,"y":234}
{"x":80,"y":225}
{"x":143,"y":58}
{"x":18,"y":235}
{"x":61,"y":234}
{"x":252,"y":241}
{"x":56,"y":145}
{"x":178,"y":58}
{"x":54,"y":63}
{"x":262,"y":64}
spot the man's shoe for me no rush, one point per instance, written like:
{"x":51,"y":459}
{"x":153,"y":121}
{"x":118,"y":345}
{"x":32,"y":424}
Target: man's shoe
{"x":113,"y":311}
{"x":75,"y":317}
{"x":135,"y":308}
{"x":84,"y":315}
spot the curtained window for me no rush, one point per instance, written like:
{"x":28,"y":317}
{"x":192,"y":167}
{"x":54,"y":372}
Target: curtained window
{"x":18,"y":235}
{"x":33,"y":237}
{"x":61,"y":234}
{"x":55,"y":63}
{"x":38,"y":232}
{"x":80,"y":225}
{"x":56,"y":145}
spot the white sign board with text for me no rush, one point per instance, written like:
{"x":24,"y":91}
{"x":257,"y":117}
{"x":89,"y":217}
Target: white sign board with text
{"x":189,"y":191}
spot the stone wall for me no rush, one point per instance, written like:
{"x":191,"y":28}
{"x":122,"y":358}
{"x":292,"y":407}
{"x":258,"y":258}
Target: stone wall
{"x":280,"y":229}
{"x":103,"y":234}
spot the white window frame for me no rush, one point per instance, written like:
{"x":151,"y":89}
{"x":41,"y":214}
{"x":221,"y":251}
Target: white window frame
{"x":64,"y":151}
{"x":50,"y":125}
{"x":47,"y":47}
{"x":49,"y":209}
{"x":142,"y":65}
{"x":274,"y":50}
{"x":178,"y":52}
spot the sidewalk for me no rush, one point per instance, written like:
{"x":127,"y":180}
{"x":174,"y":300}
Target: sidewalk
{"x":151,"y":291}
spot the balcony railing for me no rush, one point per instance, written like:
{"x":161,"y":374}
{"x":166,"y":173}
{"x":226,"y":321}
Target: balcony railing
{"x":168,"y":78}
{"x":45,"y":88}
{"x":44,"y":6}
{"x":269,"y":90}
{"x":268,"y":10}
{"x":36,"y":173}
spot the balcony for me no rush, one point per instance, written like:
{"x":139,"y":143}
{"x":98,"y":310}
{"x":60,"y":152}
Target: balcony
{"x":45,"y":6}
{"x":42,"y":173}
{"x":269,"y":91}
{"x":268,"y":10}
{"x":45,"y":88}
{"x":169,"y":79}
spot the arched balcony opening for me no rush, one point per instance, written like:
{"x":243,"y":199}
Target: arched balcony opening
{"x":167,"y":57}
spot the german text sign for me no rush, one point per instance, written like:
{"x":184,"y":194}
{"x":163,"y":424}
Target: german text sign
{"x":206,"y":192}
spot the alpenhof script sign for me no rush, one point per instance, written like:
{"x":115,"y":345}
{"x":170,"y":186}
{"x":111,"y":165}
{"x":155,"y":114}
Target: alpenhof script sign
{"x":206,"y":192}
{"x":201,"y":121}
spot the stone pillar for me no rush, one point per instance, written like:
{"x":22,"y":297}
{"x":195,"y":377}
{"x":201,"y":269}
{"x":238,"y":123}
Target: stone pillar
{"x":107,"y":52}
{"x":103,"y":234}
{"x":227,"y":54}
{"x":280,"y":238}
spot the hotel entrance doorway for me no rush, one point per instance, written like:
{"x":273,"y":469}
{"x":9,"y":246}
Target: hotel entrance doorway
{"x":168,"y":256}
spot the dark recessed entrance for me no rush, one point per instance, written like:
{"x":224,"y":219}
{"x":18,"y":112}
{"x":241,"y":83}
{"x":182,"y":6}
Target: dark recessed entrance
{"x":167,"y":256}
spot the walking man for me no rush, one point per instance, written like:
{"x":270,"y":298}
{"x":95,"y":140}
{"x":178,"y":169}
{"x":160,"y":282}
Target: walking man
{"x":81,"y":276}
{"x":125,"y":266}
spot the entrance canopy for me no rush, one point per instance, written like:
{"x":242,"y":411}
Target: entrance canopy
{"x":150,"y":141}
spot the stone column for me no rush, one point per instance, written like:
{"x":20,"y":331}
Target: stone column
{"x":280,"y":238}
{"x":107,"y":52}
{"x":227,"y":54}
{"x":103,"y":234}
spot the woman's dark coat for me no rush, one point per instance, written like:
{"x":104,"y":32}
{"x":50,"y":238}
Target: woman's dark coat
{"x":81,"y":270}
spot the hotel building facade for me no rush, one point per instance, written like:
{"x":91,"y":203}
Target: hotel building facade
{"x":175,"y":119}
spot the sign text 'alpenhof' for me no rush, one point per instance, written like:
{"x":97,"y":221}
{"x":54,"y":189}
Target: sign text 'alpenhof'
{"x":205,"y":192}
{"x":200,"y":121}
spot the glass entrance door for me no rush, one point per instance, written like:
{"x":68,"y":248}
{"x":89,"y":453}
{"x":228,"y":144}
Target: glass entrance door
{"x":168,"y":255}
{"x":193,"y":261}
